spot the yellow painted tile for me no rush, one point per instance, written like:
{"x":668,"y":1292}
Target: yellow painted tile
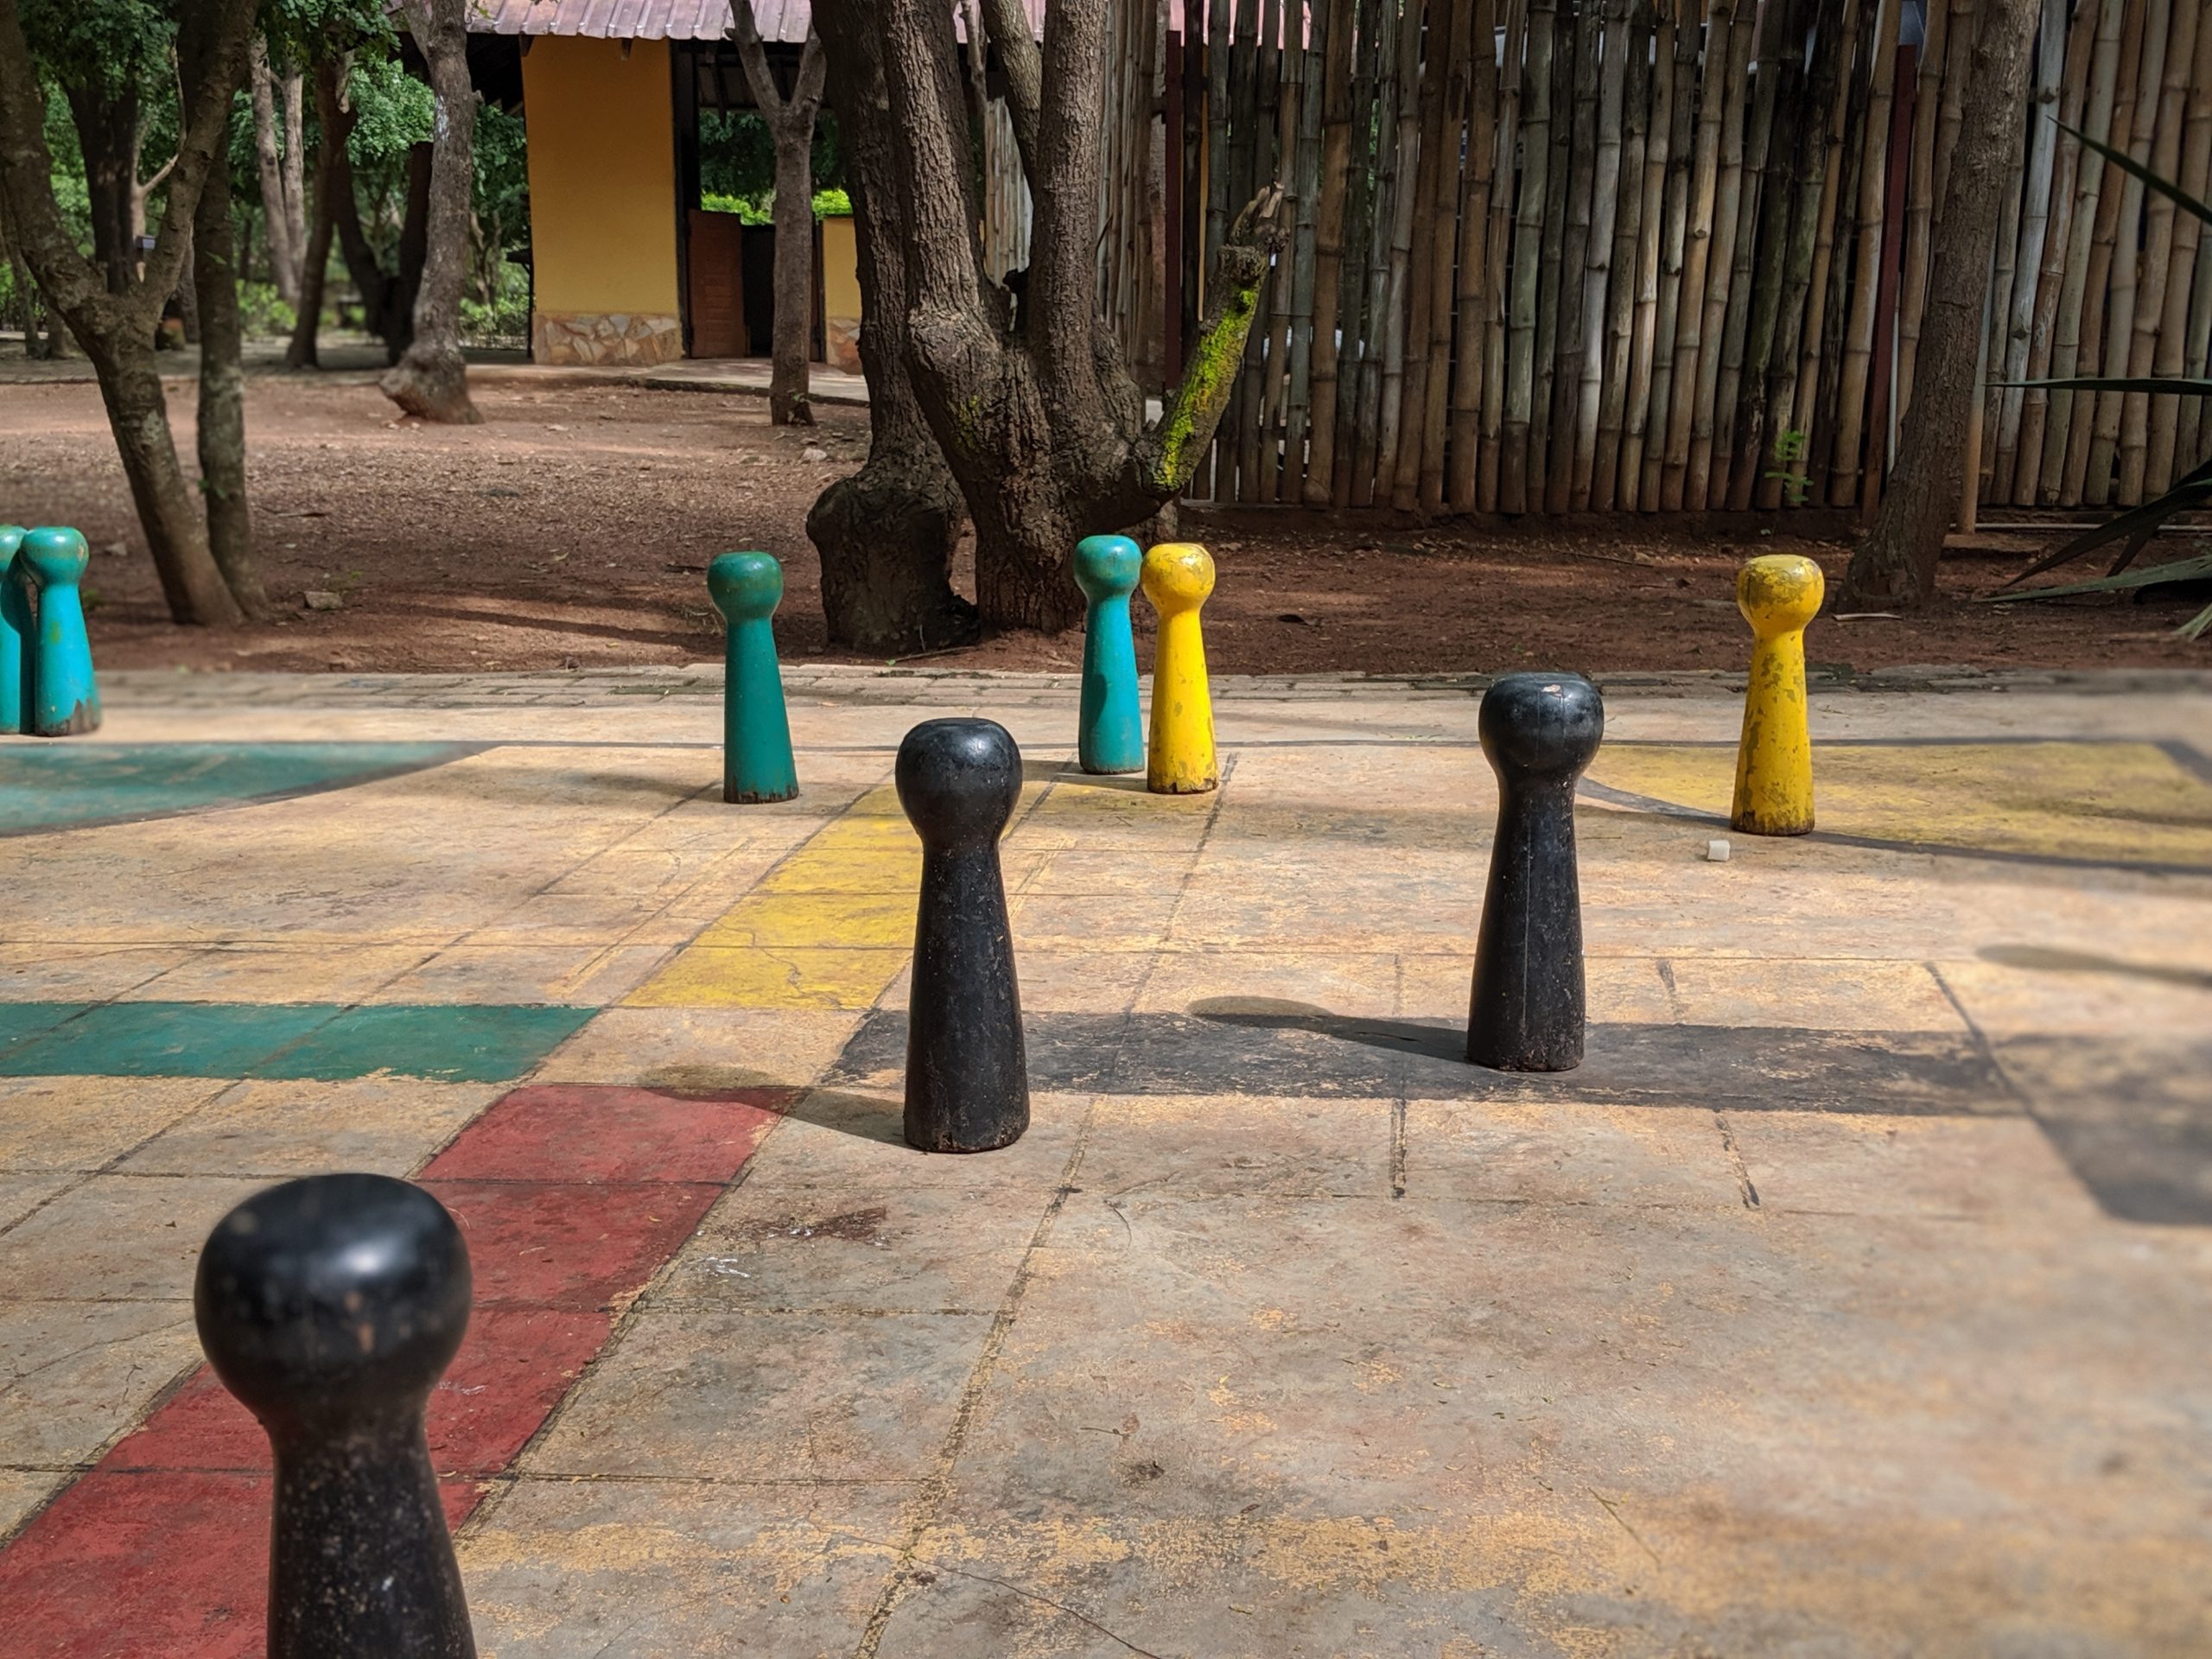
{"x":754,"y":977}
{"x":817,"y":920}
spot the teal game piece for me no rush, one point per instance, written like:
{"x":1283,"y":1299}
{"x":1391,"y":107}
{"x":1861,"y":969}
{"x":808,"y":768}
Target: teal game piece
{"x":1109,"y":737}
{"x":756,"y":732}
{"x":65,"y":700}
{"x":16,"y":628}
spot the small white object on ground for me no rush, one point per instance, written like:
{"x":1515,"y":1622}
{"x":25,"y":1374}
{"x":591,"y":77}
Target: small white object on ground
{"x":812,"y":453}
{"x":1716,"y":850}
{"x":316,"y":599}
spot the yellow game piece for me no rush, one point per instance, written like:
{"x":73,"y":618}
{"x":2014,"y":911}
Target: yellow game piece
{"x":1178,"y":576}
{"x":1778,"y":594}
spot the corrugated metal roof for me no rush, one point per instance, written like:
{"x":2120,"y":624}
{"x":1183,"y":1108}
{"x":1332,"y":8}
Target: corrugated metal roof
{"x":783,"y":21}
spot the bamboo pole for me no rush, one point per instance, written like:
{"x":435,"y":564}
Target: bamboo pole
{"x":1305,"y":245}
{"x":1477,"y":288}
{"x":1715,"y":460}
{"x":2157,"y":252}
{"x":1528,"y":230}
{"x":1922,"y":191}
{"x":1835,"y":305}
{"x":1396,"y":288}
{"x":2035,"y":405}
{"x":2126,"y":259}
{"x":1497,"y":279}
{"x":1652,"y":224}
{"x":1249,"y":136}
{"x":1581,"y":177}
{"x":1359,"y":489}
{"x":1721,"y":265}
{"x":1796,"y":352}
{"x":1674,"y":242}
{"x":1858,"y":343}
{"x":1359,"y":238}
{"x":1792,"y":198}
{"x":1626,"y":278}
{"x":1558,"y":194}
{"x":2055,"y":81}
{"x":2182,"y":350}
{"x":1402,"y":460}
{"x":1800,"y":410}
{"x":1714,"y":93}
{"x":2114,"y":23}
{"x":1596,"y":272}
{"x":1335,"y":168}
{"x":1450,"y":176}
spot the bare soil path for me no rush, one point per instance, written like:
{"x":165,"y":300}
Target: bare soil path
{"x":573,"y":528}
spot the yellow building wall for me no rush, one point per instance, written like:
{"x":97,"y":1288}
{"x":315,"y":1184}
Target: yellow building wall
{"x":602,"y":201}
{"x":840,"y":294}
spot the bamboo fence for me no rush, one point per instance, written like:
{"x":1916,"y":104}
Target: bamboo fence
{"x":1569,"y":256}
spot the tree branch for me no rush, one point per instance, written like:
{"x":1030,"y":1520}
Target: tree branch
{"x":1169,"y":452}
{"x":69,"y":282}
{"x":1007,"y":22}
{"x":208,"y":131}
{"x":753,"y":56}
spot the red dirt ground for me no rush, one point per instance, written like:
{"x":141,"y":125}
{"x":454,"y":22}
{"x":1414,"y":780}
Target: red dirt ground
{"x":574,"y":526}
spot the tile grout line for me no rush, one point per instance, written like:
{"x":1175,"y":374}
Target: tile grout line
{"x":937,"y":1487}
{"x":1981,"y":1043}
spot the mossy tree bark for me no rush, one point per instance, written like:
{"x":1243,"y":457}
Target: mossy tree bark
{"x":1895,"y":565}
{"x":430,"y":379}
{"x":1033,"y":411}
{"x":790,"y":128}
{"x":115,"y":324}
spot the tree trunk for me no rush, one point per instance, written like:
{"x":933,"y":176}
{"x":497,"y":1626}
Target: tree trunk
{"x":791,"y":126}
{"x":1895,"y":564}
{"x":430,"y":380}
{"x":116,"y":329}
{"x":886,"y":534}
{"x":107,"y":138}
{"x":222,"y":378}
{"x":283,"y":252}
{"x":315,"y":267}
{"x":1039,"y":421}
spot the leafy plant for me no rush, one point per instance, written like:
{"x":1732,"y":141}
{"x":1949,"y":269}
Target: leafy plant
{"x":1788,"y":450}
{"x":2134,"y":528}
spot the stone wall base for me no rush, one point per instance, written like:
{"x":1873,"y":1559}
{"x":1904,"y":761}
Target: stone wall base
{"x":841,"y":338}
{"x":630,"y":339}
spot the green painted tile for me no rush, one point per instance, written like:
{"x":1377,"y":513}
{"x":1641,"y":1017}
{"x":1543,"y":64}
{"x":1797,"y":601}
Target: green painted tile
{"x":45,"y":788}
{"x":163,"y":1039}
{"x":444,"y":1042}
{"x":23,"y":1022}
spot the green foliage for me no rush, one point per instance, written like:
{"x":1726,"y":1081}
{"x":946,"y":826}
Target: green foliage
{"x":737,"y":162}
{"x":832,"y":204}
{"x":1788,"y":450}
{"x":2134,"y":528}
{"x":501,"y":317}
{"x":109,"y":48}
{"x":261,"y":313}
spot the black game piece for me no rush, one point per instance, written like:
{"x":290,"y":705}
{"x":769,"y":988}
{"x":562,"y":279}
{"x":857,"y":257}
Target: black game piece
{"x":1539,"y":732}
{"x":330,"y":1306}
{"x":967,"y":1075}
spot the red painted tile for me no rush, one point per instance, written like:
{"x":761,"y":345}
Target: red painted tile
{"x":161,"y":1552}
{"x":570,"y":1246}
{"x":172,"y":1563}
{"x":569,"y":1132}
{"x":511,"y":1370}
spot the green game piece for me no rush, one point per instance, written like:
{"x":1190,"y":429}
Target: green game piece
{"x":66,"y":700}
{"x":756,"y":733}
{"x":18,"y":630}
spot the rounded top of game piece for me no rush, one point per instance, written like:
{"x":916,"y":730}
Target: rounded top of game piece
{"x":333,"y":1298}
{"x":1779,"y":593}
{"x":11,"y":537}
{"x":958,"y":780}
{"x":744,"y":586}
{"x":1178,"y":576}
{"x":54,"y":554}
{"x":1540,"y":725}
{"x":1106,"y":565}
